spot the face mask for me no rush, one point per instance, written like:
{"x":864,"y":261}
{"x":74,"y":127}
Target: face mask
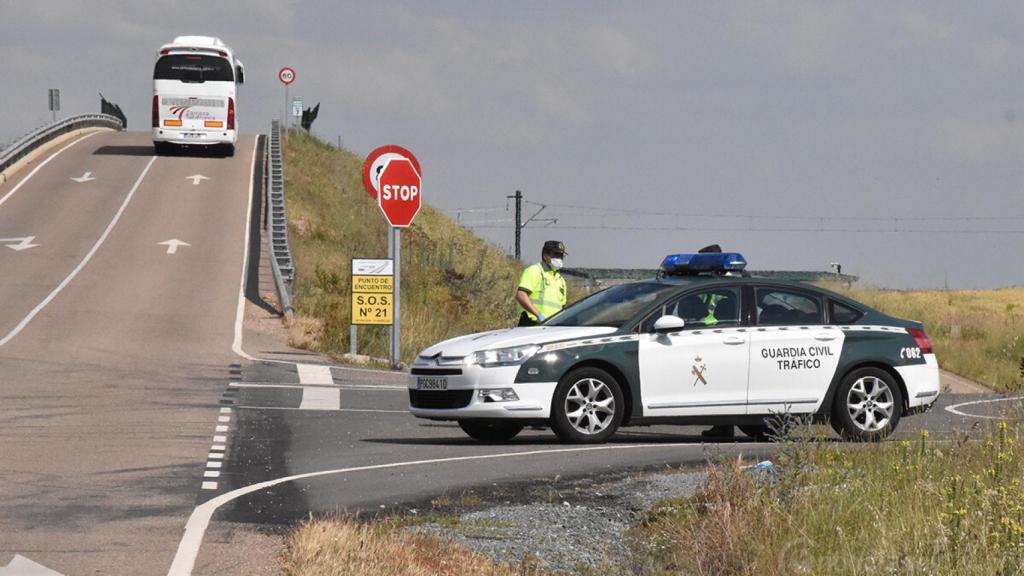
{"x":556,"y":263}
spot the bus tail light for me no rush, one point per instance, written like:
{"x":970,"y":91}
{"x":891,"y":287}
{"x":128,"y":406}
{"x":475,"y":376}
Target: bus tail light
{"x":156,"y":112}
{"x":213,"y":124}
{"x":921,"y":339}
{"x":231,"y":113}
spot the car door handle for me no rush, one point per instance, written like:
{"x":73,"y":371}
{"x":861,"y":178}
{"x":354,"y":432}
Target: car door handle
{"x":735,"y":340}
{"x":825,"y":336}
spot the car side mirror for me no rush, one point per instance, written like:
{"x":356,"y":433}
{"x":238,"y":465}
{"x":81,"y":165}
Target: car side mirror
{"x":668,"y":323}
{"x":240,"y":73}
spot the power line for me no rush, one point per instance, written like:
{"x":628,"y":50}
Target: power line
{"x":755,"y":229}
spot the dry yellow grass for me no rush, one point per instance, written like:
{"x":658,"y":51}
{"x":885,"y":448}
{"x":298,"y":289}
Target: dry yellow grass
{"x":978,"y":334}
{"x":341,"y":547}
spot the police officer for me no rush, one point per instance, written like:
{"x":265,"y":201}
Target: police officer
{"x":541,"y":291}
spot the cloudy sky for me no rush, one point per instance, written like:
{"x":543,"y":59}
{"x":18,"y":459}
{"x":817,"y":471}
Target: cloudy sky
{"x":887,"y":136}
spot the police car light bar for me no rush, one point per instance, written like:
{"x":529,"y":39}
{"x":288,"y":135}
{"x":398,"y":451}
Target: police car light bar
{"x":691,"y":264}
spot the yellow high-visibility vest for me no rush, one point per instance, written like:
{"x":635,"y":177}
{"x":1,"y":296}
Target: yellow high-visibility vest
{"x":547,"y":289}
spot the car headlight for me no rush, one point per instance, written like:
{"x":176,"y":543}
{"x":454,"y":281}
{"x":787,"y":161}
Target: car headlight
{"x":502,"y":356}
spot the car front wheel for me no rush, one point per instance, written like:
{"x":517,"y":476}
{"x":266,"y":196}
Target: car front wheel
{"x":868,"y":405}
{"x":587,"y":407}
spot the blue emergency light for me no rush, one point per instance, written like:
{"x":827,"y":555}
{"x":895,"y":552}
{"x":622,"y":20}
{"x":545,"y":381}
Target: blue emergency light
{"x":707,"y":262}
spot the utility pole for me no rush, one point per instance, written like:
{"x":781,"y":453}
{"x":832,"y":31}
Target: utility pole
{"x":519,"y":220}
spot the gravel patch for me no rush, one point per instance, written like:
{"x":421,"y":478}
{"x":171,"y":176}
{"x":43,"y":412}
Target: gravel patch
{"x":576,"y":527}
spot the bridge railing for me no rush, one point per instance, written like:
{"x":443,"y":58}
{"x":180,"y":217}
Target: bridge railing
{"x":33,"y":140}
{"x":276,"y":223}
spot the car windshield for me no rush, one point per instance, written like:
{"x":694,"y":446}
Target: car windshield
{"x":193,"y":69}
{"x":612,"y":307}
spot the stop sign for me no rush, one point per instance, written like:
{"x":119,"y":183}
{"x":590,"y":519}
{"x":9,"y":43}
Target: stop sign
{"x":399,"y":196}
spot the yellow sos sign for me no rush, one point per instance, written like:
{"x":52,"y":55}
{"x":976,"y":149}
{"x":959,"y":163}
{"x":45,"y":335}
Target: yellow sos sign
{"x":372,"y":299}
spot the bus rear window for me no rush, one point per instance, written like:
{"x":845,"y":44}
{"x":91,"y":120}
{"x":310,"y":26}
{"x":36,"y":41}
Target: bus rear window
{"x":193,"y":68}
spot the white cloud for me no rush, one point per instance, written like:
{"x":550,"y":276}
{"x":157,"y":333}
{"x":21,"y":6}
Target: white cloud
{"x":803,"y":35}
{"x":989,"y":141}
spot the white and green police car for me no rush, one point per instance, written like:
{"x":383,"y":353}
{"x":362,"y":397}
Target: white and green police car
{"x":703,"y":343}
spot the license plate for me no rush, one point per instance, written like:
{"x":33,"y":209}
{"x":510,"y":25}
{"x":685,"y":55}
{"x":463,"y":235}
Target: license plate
{"x":431,"y":383}
{"x":192,"y":135}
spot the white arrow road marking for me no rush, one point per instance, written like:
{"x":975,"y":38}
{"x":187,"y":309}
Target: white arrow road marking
{"x":84,"y":178}
{"x":22,"y":566}
{"x":196,"y":179}
{"x":172,"y":245}
{"x":40,"y":167}
{"x":19,"y":244}
{"x":92,"y":251}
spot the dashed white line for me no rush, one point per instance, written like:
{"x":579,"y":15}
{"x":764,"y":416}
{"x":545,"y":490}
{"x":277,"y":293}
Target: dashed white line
{"x":218,"y":447}
{"x":209,"y":485}
{"x":212,"y":464}
{"x":215,"y":456}
{"x":211,"y":474}
{"x":220,"y":438}
{"x":225,"y":410}
{"x":320,"y":399}
{"x":223,"y":419}
{"x":314,"y":374}
{"x":221,"y":429}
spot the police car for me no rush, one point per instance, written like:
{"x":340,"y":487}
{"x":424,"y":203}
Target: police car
{"x":702,"y":343}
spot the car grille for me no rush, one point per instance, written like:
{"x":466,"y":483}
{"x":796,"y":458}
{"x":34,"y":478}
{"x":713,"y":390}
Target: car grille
{"x":440,"y":398}
{"x":436,"y":372}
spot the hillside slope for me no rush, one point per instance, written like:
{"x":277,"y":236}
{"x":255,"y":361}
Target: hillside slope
{"x":453,"y":282}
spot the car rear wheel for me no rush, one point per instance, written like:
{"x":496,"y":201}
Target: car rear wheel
{"x":587,"y":407}
{"x":490,"y":431}
{"x":867,"y":405}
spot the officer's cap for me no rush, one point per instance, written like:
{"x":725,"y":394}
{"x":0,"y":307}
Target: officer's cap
{"x":554,"y":247}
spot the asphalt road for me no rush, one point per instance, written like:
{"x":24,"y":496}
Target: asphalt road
{"x":116,"y":351}
{"x":138,"y":437}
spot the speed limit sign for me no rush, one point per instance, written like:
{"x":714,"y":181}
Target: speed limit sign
{"x":286,"y":75}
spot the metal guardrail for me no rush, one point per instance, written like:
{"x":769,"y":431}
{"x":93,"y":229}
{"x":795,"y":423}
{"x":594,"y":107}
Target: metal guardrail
{"x":276,"y":223}
{"x":29,"y":142}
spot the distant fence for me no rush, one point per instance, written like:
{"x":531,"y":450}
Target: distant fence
{"x":33,"y":140}
{"x":277,"y":224}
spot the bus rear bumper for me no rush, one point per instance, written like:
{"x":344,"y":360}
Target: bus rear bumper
{"x":186,"y":137}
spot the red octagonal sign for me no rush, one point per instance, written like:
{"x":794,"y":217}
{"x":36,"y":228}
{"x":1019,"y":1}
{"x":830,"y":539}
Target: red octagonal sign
{"x":399,"y":197}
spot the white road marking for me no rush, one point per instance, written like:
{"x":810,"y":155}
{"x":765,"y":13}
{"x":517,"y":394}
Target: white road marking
{"x":19,"y":244}
{"x":221,"y":429}
{"x":320,"y":399}
{"x":199,"y":520}
{"x":196,"y":179}
{"x":209,"y":485}
{"x":314,"y":374}
{"x":173,"y":244}
{"x":212,"y":464}
{"x":220,"y":438}
{"x":236,"y":344}
{"x":21,"y":566}
{"x":87,"y":177}
{"x":955,"y":408}
{"x":218,"y":447}
{"x":40,"y":167}
{"x":223,"y":419}
{"x":103,"y":237}
{"x":225,"y":410}
{"x":211,"y":474}
{"x":215,"y":456}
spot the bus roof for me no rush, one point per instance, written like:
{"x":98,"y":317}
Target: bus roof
{"x":197,"y":44}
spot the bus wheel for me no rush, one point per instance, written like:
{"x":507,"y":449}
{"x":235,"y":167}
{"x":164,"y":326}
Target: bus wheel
{"x":228,"y":150}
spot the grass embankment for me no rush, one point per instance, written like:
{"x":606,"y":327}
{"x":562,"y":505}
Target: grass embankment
{"x":976,"y":334}
{"x":453,"y":283}
{"x":889,"y":508}
{"x":339,"y":547}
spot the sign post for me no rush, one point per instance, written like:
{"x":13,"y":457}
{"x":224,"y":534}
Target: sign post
{"x":286,"y":75}
{"x":54,"y":102}
{"x":391,"y":175}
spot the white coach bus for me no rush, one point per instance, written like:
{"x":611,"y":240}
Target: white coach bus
{"x":195,"y":85}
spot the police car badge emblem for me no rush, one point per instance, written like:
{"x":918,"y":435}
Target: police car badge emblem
{"x":698,"y":370}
